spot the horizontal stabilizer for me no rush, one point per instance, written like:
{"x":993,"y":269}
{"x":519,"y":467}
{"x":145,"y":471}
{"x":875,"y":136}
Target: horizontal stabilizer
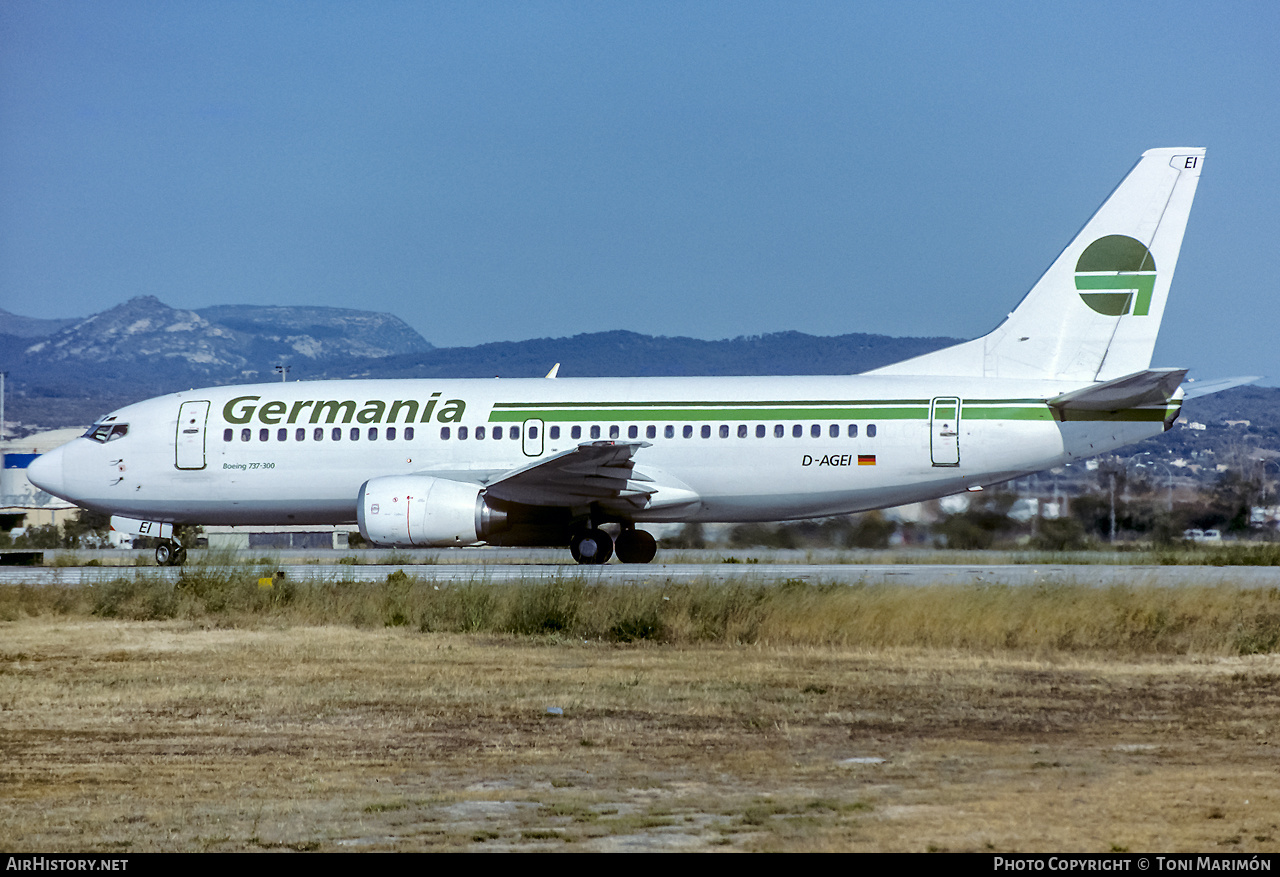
{"x":1196,"y":389}
{"x":1141,"y":389}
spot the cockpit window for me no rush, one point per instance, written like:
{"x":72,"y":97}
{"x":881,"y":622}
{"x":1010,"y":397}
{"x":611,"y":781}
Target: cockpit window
{"x":107,"y":431}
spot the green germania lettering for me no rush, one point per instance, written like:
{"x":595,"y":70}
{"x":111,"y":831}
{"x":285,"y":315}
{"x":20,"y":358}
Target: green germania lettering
{"x":452,"y":411}
{"x":271,"y":412}
{"x":348,"y":408}
{"x":431,"y":405}
{"x":236,"y":411}
{"x":372,"y":412}
{"x":410,"y":405}
{"x":245,"y":409}
{"x":297,"y":409}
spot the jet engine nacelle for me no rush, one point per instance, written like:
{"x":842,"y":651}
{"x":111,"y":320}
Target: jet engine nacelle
{"x":417,"y":510}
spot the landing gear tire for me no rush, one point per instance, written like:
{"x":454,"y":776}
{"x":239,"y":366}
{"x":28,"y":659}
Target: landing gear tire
{"x":591,"y":547}
{"x":635,"y":546}
{"x":170,"y":554}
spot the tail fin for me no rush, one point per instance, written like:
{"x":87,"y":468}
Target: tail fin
{"x":1094,"y":315}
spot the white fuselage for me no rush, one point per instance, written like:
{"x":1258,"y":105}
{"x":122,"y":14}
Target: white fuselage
{"x":298,"y":453}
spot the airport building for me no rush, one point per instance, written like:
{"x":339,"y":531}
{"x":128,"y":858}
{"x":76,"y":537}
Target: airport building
{"x":22,"y":504}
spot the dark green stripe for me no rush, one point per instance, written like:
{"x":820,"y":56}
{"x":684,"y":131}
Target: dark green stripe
{"x":713,"y":414}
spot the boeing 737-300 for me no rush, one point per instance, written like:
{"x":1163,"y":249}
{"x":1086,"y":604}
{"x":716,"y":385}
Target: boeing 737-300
{"x":548,"y":461}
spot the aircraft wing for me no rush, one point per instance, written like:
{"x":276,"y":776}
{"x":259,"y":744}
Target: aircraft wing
{"x":599,"y":471}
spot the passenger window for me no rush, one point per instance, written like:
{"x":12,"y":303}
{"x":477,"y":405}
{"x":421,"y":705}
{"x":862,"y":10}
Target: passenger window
{"x":318,"y":435}
{"x":759,"y":430}
{"x":336,"y":435}
{"x":706,"y":430}
{"x":245,"y":435}
{"x":669,"y":431}
{"x":777,"y":430}
{"x":408,"y":433}
{"x":575,"y":432}
{"x":462,"y":433}
{"x":595,"y":432}
{"x":853,"y":430}
{"x":724,"y":430}
{"x":282,"y":435}
{"x":633,"y":431}
{"x":444,"y":433}
{"x":497,"y":432}
{"x":373,"y":433}
{"x":613,"y":431}
{"x":797,"y":431}
{"x":871,"y":430}
{"x":533,"y":432}
{"x":391,"y":433}
{"x":264,"y":434}
{"x":479,"y":432}
{"x":555,"y":433}
{"x":227,"y":434}
{"x":834,"y":432}
{"x":742,"y":430}
{"x":651,"y":431}
{"x":355,"y":433}
{"x":300,"y":435}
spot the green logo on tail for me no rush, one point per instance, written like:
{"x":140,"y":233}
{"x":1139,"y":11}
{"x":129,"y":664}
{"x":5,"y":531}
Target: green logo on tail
{"x":1121,"y":266}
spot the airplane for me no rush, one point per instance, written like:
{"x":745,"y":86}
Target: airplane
{"x":550,"y":461}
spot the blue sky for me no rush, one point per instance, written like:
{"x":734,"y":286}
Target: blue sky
{"x":500,"y":171}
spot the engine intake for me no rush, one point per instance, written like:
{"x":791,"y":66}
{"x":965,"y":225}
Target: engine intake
{"x":406,"y":511}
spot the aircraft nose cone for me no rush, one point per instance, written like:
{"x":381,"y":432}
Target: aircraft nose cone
{"x":45,"y":472}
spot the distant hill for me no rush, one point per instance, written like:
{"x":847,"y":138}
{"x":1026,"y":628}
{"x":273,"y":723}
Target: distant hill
{"x":144,"y":347}
{"x":621,"y":354}
{"x":244,"y":338}
{"x":13,"y":326}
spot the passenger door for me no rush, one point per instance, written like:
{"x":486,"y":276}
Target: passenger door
{"x":944,"y":433}
{"x":189,"y":443}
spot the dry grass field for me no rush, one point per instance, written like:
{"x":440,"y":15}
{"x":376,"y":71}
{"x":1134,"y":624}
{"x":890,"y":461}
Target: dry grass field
{"x":265,"y":729}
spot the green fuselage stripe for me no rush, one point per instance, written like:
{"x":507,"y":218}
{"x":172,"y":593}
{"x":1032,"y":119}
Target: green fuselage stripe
{"x":806,"y":410}
{"x":628,"y":414}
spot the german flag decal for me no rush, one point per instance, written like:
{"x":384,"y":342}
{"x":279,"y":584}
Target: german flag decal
{"x":866,"y":459}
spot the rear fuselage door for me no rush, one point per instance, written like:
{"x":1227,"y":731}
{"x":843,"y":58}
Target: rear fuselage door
{"x":944,"y":431}
{"x":532,"y":438}
{"x":189,"y":445}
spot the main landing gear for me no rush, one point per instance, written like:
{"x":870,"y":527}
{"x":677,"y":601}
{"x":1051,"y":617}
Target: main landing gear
{"x":635,"y":546}
{"x":170,"y":553}
{"x":595,"y":546}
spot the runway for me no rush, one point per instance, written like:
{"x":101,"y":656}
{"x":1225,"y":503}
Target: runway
{"x":907,"y":575}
